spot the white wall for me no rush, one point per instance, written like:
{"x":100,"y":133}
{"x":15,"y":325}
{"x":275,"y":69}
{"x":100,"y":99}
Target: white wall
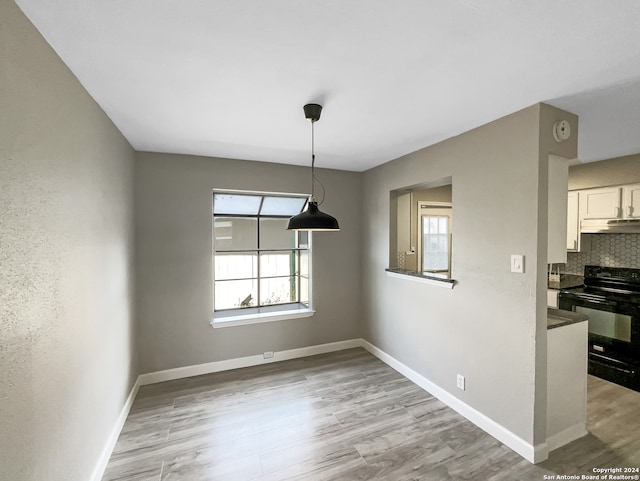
{"x":173,"y":260}
{"x":492,"y":326}
{"x":66,"y":346}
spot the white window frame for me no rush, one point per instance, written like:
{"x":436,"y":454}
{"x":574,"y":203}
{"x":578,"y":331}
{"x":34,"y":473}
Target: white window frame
{"x":254,"y":315}
{"x":433,"y":206}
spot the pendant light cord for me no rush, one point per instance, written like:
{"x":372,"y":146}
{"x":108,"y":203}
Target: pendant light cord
{"x":313,"y":163}
{"x":313,"y":172}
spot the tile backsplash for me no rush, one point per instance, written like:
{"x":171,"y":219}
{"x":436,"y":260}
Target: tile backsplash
{"x":609,"y":250}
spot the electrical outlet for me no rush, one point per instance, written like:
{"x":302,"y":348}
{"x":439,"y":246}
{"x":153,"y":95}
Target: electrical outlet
{"x":268,"y":354}
{"x":460,"y":381}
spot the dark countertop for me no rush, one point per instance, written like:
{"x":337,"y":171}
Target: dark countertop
{"x":567,"y":281}
{"x":433,"y":277}
{"x":559,"y":318}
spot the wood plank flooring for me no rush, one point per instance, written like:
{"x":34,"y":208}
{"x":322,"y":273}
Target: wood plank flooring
{"x":341,"y":416}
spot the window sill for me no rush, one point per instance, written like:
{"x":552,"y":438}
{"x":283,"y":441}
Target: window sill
{"x":256,"y":318}
{"x":418,"y":277}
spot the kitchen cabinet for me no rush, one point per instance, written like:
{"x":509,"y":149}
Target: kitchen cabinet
{"x":573,"y":222}
{"x":631,"y":201}
{"x":575,"y":241}
{"x":601,"y":203}
{"x":552,"y":298}
{"x":566,"y":383}
{"x":620,"y":202}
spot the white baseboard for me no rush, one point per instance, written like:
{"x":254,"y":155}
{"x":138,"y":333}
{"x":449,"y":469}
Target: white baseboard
{"x":566,"y":436}
{"x":206,"y":368}
{"x":105,"y":455}
{"x":533,"y":454}
{"x":226,"y":365}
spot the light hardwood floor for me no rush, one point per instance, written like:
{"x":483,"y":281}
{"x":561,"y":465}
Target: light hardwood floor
{"x":342,"y":416}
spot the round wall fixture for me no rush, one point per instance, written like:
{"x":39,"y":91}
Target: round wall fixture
{"x":561,"y":130}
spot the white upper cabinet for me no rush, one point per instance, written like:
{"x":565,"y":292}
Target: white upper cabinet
{"x":621,"y":202}
{"x":573,"y":222}
{"x":603,"y":203}
{"x":631,"y":201}
{"x":597,"y":208}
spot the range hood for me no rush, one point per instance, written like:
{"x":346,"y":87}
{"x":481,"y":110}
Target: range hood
{"x":610,"y":226}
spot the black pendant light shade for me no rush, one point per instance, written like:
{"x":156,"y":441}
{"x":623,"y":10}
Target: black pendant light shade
{"x":313,"y":219}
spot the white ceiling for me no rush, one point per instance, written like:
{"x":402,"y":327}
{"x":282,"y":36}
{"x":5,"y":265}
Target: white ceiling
{"x":228,"y":78}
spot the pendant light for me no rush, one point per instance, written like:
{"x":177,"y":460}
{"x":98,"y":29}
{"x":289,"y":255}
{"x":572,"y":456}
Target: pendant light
{"x":313,"y":219}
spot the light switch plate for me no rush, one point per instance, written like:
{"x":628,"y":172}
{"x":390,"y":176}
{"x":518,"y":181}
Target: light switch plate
{"x":517,"y":263}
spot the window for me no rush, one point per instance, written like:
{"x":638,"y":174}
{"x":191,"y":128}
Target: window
{"x":435,"y":240}
{"x":259,"y":267}
{"x":421,"y":232}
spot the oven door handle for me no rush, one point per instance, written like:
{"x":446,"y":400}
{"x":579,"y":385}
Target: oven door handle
{"x":600,"y":302}
{"x":602,"y":361}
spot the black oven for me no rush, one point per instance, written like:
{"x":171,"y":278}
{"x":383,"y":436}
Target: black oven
{"x":610,"y":299}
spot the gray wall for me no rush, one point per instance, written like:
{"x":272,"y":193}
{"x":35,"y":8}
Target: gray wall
{"x":66,"y":344}
{"x":173,"y":260}
{"x":617,"y":171}
{"x":492,"y":326}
